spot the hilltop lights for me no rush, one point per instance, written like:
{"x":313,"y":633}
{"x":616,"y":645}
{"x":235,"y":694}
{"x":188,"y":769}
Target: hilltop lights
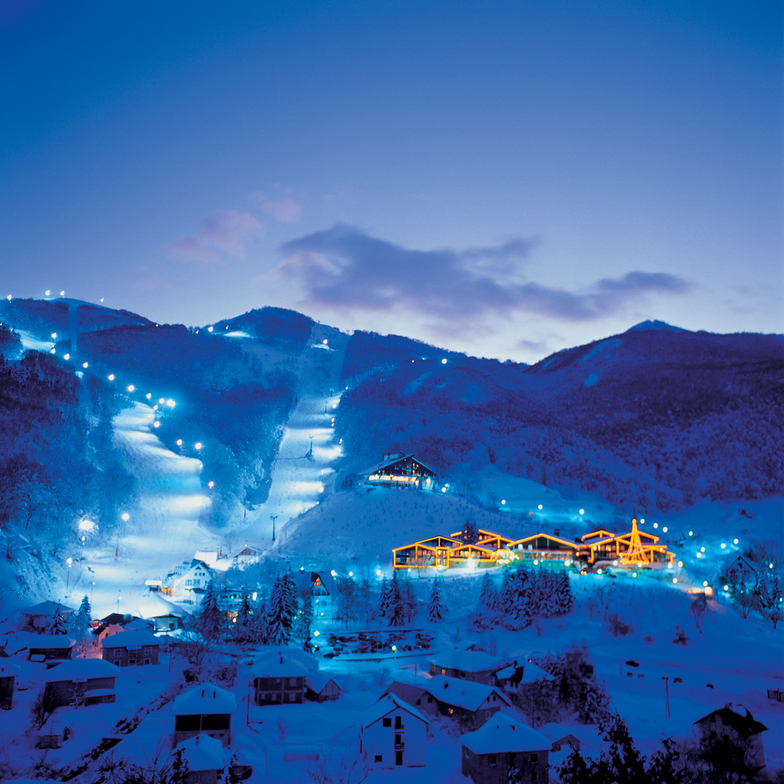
{"x":66,"y":357}
{"x":85,"y":365}
{"x":582,"y":511}
{"x":54,"y":336}
{"x":131,"y":388}
{"x":86,"y":525}
{"x":179,"y":442}
{"x":111,"y":376}
{"x":540,"y":507}
{"x":197,"y":446}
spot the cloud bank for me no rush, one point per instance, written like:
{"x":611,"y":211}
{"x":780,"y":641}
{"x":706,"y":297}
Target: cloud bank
{"x":343,"y":268}
{"x":223,"y":233}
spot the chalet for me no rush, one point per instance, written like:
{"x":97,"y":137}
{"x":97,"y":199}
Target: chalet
{"x":468,"y":702}
{"x":320,"y":687}
{"x":487,"y":539}
{"x":39,"y":617}
{"x":544,"y":547}
{"x":773,"y":694}
{"x":742,"y":570}
{"x":416,"y":696}
{"x":469,"y":665}
{"x":140,"y":624}
{"x":392,"y":733}
{"x":248,"y":555}
{"x":53,"y":733}
{"x":71,"y":682}
{"x":493,"y":753}
{"x":188,"y":582}
{"x":321,"y":587}
{"x":427,"y":552}
{"x":131,"y":648}
{"x":204,"y":709}
{"x":165,"y":615}
{"x":204,"y":758}
{"x":400,"y":470}
{"x":472,"y":555}
{"x":742,"y":730}
{"x":48,"y":647}
{"x":637,"y":548}
{"x":560,"y":736}
{"x":280,"y":681}
{"x":8,"y":675}
{"x":514,"y":680}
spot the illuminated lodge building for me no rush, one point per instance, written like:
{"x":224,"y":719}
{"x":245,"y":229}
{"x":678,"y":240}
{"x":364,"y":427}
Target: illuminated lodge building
{"x":399,"y":470}
{"x":447,"y":552}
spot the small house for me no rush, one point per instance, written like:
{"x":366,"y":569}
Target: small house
{"x":70,"y":682}
{"x":417,"y":696}
{"x":469,"y":665}
{"x":279,"y":681}
{"x":204,"y":709}
{"x":53,"y":733}
{"x":320,"y":687}
{"x":776,"y":694}
{"x":131,"y":648}
{"x":741,"y":729}
{"x":204,"y":758}
{"x":8,"y":674}
{"x":392,"y":733}
{"x":399,"y":470}
{"x":502,"y":746}
{"x":321,"y":587}
{"x":469,"y":703}
{"x":39,"y":617}
{"x":188,"y":582}
{"x":165,"y":615}
{"x":47,"y":647}
{"x":560,"y":736}
{"x":248,"y":555}
{"x":515,"y":678}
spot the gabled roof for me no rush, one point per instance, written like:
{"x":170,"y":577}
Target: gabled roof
{"x":130,"y":638}
{"x":81,"y":669}
{"x":386,"y":704}
{"x":392,"y":461}
{"x":600,"y":534}
{"x":49,"y":641}
{"x":279,"y":666}
{"x":291,"y":653}
{"x":558,"y":539}
{"x":463,"y":694}
{"x":318,"y":681}
{"x":531,"y":672}
{"x":501,"y":734}
{"x":486,"y":551}
{"x":202,"y":753}
{"x":47,"y":608}
{"x":467,"y":661}
{"x":745,"y":726}
{"x":153,"y":605}
{"x":204,"y":699}
{"x":406,"y":691}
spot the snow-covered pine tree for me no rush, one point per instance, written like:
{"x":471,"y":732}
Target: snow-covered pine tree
{"x":242,"y":630}
{"x":81,"y":621}
{"x":58,"y":623}
{"x":385,"y":598}
{"x":519,"y":614}
{"x":409,"y":601}
{"x":304,"y":624}
{"x":547,"y":603}
{"x":506,"y":594}
{"x":290,"y":596}
{"x":365,"y":604}
{"x":209,"y":622}
{"x":488,"y":596}
{"x":347,"y":599}
{"x":396,"y":612}
{"x":563,"y":593}
{"x":275,"y":630}
{"x":434,"y":611}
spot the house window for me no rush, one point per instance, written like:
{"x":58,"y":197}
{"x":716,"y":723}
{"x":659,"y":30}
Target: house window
{"x":534,"y":776}
{"x":534,"y":758}
{"x":377,"y":758}
{"x":398,"y":740}
{"x":147,"y":650}
{"x":387,"y":722}
{"x":398,"y":722}
{"x":292,"y":696}
{"x":492,"y":760}
{"x":293,"y":682}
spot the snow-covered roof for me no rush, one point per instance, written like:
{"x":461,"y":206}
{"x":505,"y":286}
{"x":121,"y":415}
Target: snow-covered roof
{"x":467,"y":661}
{"x":531,"y":672}
{"x":279,"y":666}
{"x":80,"y":669}
{"x":385,"y":705}
{"x":130,"y":638}
{"x":204,"y":699}
{"x":32,"y":640}
{"x":153,"y":605}
{"x":307,"y":660}
{"x":140,"y":623}
{"x":745,"y":725}
{"x":557,"y":732}
{"x":47,"y":608}
{"x":7,"y":669}
{"x":500,"y":734}
{"x":463,"y":694}
{"x":202,"y":753}
{"x":390,"y":461}
{"x":316,"y":681}
{"x":408,"y":692}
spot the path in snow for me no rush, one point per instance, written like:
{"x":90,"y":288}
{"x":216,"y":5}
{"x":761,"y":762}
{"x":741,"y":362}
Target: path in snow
{"x":163,"y":526}
{"x":298,"y":475}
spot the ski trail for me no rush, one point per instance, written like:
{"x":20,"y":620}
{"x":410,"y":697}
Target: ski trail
{"x":303,"y":464}
{"x":163,"y":525}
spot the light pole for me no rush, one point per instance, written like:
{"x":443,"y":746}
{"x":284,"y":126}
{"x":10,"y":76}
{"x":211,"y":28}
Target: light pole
{"x":69,"y":561}
{"x":666,"y":680}
{"x":273,"y":518}
{"x":394,"y":648}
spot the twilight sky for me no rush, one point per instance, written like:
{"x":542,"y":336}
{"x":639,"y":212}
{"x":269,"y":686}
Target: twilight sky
{"x":501,"y":178}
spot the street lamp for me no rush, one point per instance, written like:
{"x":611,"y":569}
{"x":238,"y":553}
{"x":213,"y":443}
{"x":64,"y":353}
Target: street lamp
{"x":394,"y":648}
{"x":69,"y":561}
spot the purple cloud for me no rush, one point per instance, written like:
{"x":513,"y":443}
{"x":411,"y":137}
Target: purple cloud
{"x":223,"y":233}
{"x":344,"y":268}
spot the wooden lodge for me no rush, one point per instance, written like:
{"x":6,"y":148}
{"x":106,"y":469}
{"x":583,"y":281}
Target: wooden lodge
{"x":400,"y":470}
{"x":635,"y":548}
{"x":72,"y":682}
{"x":131,"y":648}
{"x":204,"y":709}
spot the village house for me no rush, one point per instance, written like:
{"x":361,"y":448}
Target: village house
{"x":47,"y":647}
{"x":248,"y":555}
{"x":741,"y":729}
{"x":164,"y":614}
{"x":544,"y":547}
{"x":8,"y":674}
{"x":188,"y":582}
{"x":470,"y":704}
{"x":71,"y":682}
{"x":53,"y":733}
{"x":131,"y":648}
{"x":502,"y":745}
{"x":393,"y":733}
{"x":204,"y":709}
{"x":470,"y":665}
{"x":320,"y":687}
{"x":560,"y":736}
{"x":39,"y":617}
{"x":279,"y":681}
{"x":400,"y":470}
{"x":321,"y":587}
{"x":416,"y":696}
{"x":514,"y":679}
{"x":204,"y":758}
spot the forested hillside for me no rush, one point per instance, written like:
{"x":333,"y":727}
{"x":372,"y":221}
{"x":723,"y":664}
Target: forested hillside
{"x":648,"y":419}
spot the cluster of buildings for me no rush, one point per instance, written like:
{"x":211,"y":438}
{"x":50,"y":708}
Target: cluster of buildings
{"x":634,"y":548}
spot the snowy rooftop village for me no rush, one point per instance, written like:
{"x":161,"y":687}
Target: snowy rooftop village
{"x":265,"y":550}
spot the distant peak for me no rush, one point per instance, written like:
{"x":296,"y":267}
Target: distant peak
{"x":657,"y":325}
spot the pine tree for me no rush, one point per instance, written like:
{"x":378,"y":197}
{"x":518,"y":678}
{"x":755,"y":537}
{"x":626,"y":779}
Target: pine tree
{"x":242,"y":630}
{"x":564,"y":593}
{"x":304,"y":624}
{"x":290,"y":595}
{"x":506,"y":595}
{"x":365,"y":608}
{"x":81,"y":621}
{"x":209,"y":622}
{"x":547,"y":601}
{"x":58,"y":623}
{"x":518,"y":616}
{"x":385,"y":598}
{"x":488,"y":596}
{"x":347,"y":600}
{"x":409,"y":601}
{"x":434,"y":614}
{"x":396,"y":612}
